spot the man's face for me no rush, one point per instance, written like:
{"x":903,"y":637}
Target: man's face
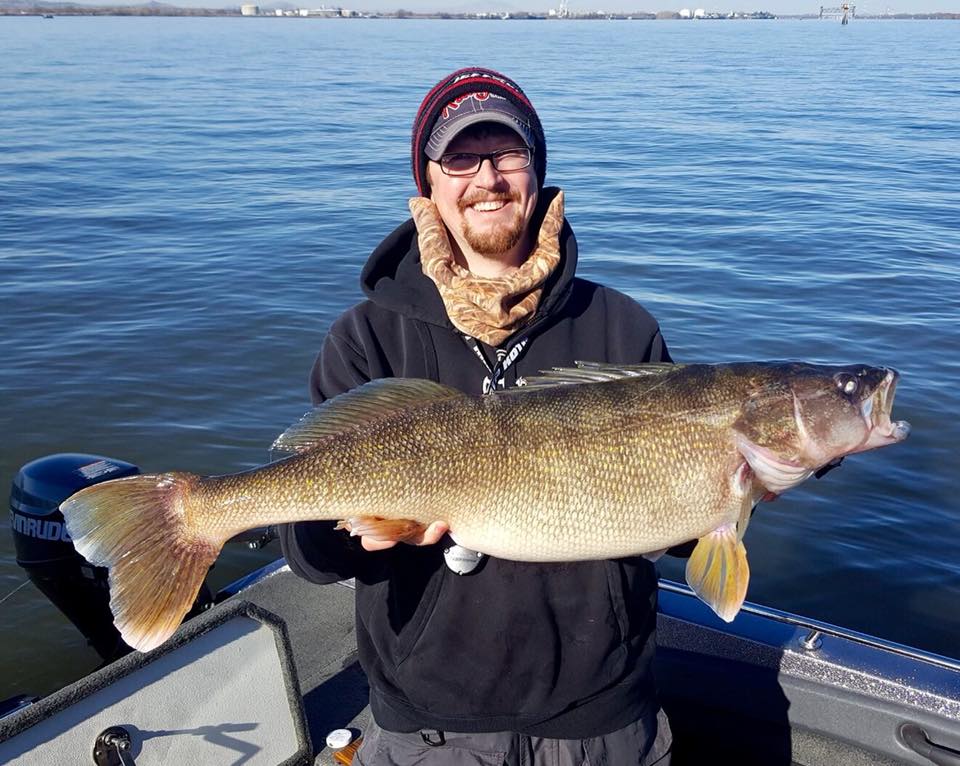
{"x":489,"y":212}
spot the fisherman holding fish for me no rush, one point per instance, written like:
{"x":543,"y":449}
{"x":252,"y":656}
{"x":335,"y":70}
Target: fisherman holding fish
{"x":476,"y":291}
{"x":436,"y":428}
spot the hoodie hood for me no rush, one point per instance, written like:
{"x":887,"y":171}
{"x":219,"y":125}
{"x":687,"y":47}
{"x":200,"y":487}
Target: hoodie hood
{"x":393,"y":277}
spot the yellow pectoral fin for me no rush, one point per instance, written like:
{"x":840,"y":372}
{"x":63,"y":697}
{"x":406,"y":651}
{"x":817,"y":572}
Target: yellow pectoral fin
{"x":718,"y":572}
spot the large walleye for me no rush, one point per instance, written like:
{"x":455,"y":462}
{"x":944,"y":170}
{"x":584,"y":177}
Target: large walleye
{"x":627,"y":460}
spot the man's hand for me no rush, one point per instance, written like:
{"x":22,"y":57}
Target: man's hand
{"x":431,"y":535}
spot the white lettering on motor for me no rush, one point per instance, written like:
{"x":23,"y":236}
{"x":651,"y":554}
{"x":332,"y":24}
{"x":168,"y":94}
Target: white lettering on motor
{"x":42,"y":530}
{"x":95,"y":470}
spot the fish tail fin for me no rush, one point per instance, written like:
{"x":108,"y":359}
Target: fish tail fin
{"x":718,"y":572}
{"x":138,"y":527}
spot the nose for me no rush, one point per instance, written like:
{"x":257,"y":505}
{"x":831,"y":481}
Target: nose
{"x":487,"y":175}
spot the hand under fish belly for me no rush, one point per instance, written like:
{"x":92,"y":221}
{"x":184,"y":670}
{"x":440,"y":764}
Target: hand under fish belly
{"x":595,"y":462}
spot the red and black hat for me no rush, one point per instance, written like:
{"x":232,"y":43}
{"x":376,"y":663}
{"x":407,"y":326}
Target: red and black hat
{"x":464,"y":98}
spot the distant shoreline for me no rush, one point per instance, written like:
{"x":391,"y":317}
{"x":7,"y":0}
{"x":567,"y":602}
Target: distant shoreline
{"x":47,"y":10}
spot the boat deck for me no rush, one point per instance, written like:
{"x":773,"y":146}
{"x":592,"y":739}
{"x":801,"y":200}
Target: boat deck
{"x":758,"y":697}
{"x":766,"y":689}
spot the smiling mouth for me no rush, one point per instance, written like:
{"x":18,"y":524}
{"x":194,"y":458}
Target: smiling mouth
{"x":489,"y":206}
{"x":490,"y":202}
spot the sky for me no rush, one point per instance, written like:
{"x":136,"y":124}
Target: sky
{"x":864,"y":7}
{"x":871,"y":7}
{"x":788,"y":7}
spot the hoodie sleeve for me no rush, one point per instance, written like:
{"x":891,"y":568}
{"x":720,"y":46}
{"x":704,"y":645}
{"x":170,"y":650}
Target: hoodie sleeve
{"x":339,"y":366}
{"x":314,"y":549}
{"x":658,"y":351}
{"x":632,"y":334}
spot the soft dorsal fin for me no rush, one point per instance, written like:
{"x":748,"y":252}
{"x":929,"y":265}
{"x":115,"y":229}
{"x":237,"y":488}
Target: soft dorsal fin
{"x":597,"y":372}
{"x":369,"y":402}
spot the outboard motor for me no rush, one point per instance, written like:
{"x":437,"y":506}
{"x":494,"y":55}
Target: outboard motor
{"x":44,"y":550}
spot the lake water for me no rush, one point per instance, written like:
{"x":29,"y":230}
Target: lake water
{"x":185,"y":205}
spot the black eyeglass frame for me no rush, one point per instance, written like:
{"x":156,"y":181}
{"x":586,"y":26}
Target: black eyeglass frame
{"x":492,"y":156}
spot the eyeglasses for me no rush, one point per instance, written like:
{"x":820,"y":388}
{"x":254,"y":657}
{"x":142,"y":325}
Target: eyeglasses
{"x":468,"y":163}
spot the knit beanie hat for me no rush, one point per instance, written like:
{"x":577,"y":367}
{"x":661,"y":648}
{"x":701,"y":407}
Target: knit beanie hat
{"x":464,"y":98}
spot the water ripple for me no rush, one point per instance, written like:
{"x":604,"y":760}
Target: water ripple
{"x":187,"y":204}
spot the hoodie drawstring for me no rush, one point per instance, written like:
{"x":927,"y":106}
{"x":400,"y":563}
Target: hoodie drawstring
{"x":505,"y":358}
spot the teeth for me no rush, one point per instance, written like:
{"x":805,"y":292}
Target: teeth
{"x":488,"y":206}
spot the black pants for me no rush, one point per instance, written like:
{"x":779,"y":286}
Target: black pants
{"x":633,"y":745}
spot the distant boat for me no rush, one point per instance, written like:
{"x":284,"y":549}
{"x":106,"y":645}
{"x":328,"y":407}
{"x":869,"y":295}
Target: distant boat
{"x":48,"y":15}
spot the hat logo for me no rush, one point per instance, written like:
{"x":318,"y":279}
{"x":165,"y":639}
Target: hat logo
{"x":488,"y":75}
{"x":455,"y":104}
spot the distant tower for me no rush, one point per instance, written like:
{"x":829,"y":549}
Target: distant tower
{"x":564,"y":12}
{"x":844,"y":12}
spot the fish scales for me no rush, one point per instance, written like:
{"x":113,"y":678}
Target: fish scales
{"x":537,"y":477}
{"x":602,"y":462}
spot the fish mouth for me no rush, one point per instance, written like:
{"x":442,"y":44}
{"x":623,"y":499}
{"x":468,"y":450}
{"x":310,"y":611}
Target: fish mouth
{"x":876,"y":410}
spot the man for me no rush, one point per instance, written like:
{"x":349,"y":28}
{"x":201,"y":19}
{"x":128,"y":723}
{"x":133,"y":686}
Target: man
{"x":532,"y":661}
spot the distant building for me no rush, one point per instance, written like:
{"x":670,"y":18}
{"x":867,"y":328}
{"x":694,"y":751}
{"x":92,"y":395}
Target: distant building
{"x":685,"y":13}
{"x":322,"y":11}
{"x":249,"y":10}
{"x":700,"y":13}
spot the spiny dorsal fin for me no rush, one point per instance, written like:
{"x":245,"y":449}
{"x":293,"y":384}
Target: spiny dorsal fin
{"x":597,"y":372}
{"x":369,"y":402}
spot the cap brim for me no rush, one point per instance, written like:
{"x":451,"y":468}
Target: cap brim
{"x":441,"y":138}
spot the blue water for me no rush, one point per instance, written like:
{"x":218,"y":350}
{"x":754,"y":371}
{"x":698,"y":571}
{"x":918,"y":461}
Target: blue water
{"x":185,"y":205}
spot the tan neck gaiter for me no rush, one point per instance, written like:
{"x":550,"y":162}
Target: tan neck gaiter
{"x":490,"y":309}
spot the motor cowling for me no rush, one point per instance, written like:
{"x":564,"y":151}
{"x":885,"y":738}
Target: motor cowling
{"x":44,"y":549}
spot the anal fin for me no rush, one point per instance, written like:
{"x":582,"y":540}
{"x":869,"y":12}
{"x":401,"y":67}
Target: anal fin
{"x":384,"y":530}
{"x":718,"y":572}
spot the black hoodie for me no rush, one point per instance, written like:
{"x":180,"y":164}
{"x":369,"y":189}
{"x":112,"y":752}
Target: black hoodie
{"x":551,"y":650}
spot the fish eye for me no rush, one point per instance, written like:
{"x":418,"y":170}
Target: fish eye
{"x":848,"y":384}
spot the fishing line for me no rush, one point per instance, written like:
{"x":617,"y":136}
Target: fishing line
{"x":21,"y":585}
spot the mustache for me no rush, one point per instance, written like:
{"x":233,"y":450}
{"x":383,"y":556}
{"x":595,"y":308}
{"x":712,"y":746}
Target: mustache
{"x":473,"y":199}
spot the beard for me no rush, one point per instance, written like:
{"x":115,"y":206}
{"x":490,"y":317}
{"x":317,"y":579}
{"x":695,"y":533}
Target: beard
{"x":500,"y":239}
